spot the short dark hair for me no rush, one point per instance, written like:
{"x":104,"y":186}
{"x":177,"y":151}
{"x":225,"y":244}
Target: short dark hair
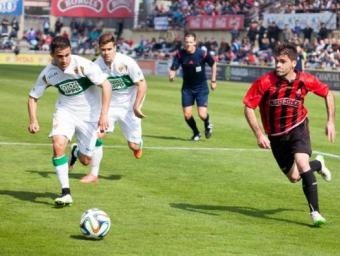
{"x":288,"y":49}
{"x":106,"y":38}
{"x":188,"y":33}
{"x":60,"y":42}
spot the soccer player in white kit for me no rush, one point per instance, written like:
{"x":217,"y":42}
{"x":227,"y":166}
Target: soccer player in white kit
{"x":128,"y":92}
{"x":80,"y":109}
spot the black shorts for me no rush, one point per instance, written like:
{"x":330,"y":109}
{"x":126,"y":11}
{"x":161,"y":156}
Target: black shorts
{"x":199,"y":94}
{"x":285,"y":146}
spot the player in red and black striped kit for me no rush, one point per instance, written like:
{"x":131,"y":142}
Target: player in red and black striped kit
{"x":280,"y":97}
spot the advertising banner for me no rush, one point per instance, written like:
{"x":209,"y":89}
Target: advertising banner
{"x":225,"y":22}
{"x":11,"y":7}
{"x":93,"y":8}
{"x":303,"y":19}
{"x":25,"y":59}
{"x":161,"y":23}
{"x":251,"y":73}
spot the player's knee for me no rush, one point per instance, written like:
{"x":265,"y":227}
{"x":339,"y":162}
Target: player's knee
{"x":187,"y":116}
{"x":202,"y":116}
{"x":294,"y":179}
{"x":58,"y":148}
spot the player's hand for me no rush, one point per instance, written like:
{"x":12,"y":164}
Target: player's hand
{"x":263,"y":141}
{"x":33,"y":127}
{"x":172,"y":75}
{"x":138,"y":112}
{"x":330,"y":131}
{"x":213,"y":85}
{"x":103,"y":123}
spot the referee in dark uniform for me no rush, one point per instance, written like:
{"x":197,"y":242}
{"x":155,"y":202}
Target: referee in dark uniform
{"x":280,"y":97}
{"x":195,"y":86}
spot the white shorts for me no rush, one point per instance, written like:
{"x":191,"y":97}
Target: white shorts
{"x":130,"y":124}
{"x":67,"y":124}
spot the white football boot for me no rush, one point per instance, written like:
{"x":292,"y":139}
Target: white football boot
{"x":317,"y":219}
{"x":63,"y":200}
{"x":324,"y":172}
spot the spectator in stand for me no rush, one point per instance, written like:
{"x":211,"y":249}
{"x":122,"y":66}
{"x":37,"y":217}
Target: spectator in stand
{"x":58,"y":26}
{"x":252,"y":32}
{"x":261,"y":32}
{"x":15,"y":28}
{"x":307,"y":32}
{"x":300,"y":59}
{"x":273,"y":33}
{"x":323,"y":32}
{"x":4,"y":27}
{"x":46,"y":27}
{"x":287,"y":34}
{"x":297,"y":28}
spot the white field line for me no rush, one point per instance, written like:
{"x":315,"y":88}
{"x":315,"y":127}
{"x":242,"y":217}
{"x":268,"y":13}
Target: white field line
{"x":3,"y":143}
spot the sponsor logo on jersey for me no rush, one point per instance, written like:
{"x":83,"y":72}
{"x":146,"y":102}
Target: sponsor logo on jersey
{"x":285,"y":102}
{"x":70,"y":88}
{"x":117,"y":83}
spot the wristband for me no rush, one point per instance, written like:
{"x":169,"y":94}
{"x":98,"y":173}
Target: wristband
{"x":213,"y":81}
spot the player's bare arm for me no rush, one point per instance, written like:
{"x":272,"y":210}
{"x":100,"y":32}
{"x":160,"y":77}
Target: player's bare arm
{"x":330,"y":125}
{"x":33,"y":126}
{"x":213,"y":84}
{"x":262,"y":140}
{"x":106,"y":99}
{"x":141,"y":91}
{"x":172,"y":75}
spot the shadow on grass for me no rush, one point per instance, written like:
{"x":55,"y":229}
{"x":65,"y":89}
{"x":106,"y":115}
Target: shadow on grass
{"x":80,"y":237}
{"x":165,"y":137}
{"x":248,"y":211}
{"x":30,"y":196}
{"x":74,"y":175}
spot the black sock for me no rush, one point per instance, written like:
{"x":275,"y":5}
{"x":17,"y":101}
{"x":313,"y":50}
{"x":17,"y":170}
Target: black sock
{"x":65,"y":191}
{"x":310,"y":190}
{"x":315,"y":165}
{"x":206,"y":122}
{"x":192,"y":124}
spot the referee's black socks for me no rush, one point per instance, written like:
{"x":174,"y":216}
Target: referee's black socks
{"x":192,"y":124}
{"x":206,"y":122}
{"x":310,"y":189}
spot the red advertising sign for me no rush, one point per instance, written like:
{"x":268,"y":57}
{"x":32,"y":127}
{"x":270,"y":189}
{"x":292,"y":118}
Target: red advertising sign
{"x":227,"y":22}
{"x":93,"y":8}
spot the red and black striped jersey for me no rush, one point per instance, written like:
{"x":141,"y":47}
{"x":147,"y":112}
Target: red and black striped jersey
{"x":282,"y":102}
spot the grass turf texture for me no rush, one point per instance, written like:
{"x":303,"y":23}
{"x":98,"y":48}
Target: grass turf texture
{"x":179,"y":201}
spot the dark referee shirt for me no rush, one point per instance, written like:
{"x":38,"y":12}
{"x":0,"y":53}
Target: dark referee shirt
{"x":193,"y":66}
{"x":282,"y":102}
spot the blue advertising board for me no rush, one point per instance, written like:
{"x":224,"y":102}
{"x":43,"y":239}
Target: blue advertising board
{"x":11,"y":7}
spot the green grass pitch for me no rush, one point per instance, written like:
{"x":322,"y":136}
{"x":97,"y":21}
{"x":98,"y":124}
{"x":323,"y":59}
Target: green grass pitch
{"x":221,"y":196}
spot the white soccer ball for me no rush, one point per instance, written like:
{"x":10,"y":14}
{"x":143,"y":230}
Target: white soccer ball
{"x":95,"y":223}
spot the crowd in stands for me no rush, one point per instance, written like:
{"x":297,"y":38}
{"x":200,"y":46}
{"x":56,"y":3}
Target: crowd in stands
{"x":178,"y":11}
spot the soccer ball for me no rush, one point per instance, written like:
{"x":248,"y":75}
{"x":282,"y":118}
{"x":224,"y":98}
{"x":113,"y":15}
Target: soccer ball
{"x":95,"y":223}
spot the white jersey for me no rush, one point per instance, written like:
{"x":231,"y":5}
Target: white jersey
{"x":123,"y":74}
{"x":78,"y":93}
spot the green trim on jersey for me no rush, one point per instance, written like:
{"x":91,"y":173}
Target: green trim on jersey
{"x":73,"y":87}
{"x":57,"y":161}
{"x":99,"y":142}
{"x":120,"y":82}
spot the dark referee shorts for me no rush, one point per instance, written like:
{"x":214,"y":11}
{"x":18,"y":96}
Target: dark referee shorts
{"x":285,"y":146}
{"x":199,"y":93}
